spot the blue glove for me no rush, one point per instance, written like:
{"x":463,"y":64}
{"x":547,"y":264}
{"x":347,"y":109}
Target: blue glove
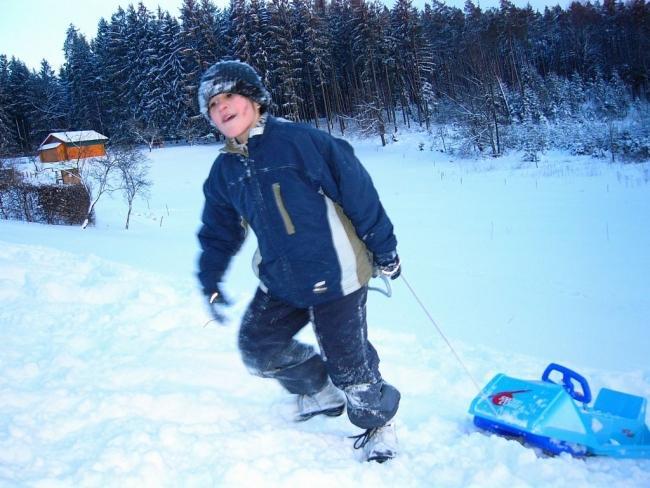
{"x":217,"y":304}
{"x":388,"y":265}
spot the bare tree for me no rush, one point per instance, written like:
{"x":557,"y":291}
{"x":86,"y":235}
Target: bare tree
{"x":370,"y":118}
{"x":94,"y":175}
{"x":149,"y":134}
{"x":133,"y":168}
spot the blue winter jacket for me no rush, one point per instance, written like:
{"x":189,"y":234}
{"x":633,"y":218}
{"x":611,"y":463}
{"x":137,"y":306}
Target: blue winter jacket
{"x":312,"y":206}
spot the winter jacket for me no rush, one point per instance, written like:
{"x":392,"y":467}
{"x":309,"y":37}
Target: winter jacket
{"x":312,"y":206}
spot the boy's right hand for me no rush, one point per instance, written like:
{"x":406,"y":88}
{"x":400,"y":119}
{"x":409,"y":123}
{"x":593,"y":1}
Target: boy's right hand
{"x":217,"y":303}
{"x":388,"y":264}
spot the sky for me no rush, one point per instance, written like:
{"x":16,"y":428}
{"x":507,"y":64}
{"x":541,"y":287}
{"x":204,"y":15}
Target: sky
{"x":34,"y":29}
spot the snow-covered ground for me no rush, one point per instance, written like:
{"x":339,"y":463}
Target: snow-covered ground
{"x":109,"y":375}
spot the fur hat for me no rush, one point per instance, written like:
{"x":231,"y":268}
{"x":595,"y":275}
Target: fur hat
{"x":232,"y":77}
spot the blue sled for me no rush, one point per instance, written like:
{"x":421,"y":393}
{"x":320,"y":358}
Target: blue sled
{"x":553,"y":414}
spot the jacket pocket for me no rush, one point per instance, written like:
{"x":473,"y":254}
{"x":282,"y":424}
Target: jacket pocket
{"x":286,"y":218}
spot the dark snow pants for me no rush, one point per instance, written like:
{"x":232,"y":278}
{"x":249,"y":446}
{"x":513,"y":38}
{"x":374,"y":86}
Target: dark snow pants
{"x":268,"y":347}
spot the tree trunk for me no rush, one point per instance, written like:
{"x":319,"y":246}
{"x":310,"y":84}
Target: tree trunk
{"x":328,"y":112}
{"x":313,"y":98}
{"x":2,"y":208}
{"x":495,"y":119}
{"x":88,"y":215}
{"x":26,"y":205}
{"x":128,"y":215}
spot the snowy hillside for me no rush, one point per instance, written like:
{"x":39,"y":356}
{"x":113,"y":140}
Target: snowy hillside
{"x":110,"y":376}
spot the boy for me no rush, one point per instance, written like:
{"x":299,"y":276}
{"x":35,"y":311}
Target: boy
{"x":319,"y":225}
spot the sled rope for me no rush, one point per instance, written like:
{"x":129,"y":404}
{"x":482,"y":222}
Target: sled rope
{"x":442,"y":334}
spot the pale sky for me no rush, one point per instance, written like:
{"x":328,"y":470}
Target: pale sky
{"x":35,"y":29}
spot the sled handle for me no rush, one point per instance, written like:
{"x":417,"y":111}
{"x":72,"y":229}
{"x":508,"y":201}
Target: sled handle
{"x":388,"y":291}
{"x":568,"y":378}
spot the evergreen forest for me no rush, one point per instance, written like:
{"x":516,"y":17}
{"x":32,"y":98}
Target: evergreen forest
{"x":479,"y":81}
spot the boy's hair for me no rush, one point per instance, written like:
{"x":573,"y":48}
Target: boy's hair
{"x":232,"y":77}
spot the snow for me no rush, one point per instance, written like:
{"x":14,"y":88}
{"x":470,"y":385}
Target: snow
{"x":52,"y":145}
{"x":75,"y":137}
{"x":112,"y":375}
{"x":39,"y":173}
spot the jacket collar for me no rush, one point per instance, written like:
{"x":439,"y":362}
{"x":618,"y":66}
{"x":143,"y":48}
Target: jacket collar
{"x":233,"y":147}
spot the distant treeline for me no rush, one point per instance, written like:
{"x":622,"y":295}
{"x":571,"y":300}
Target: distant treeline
{"x":339,"y":64}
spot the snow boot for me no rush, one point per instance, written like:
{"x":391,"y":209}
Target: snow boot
{"x":379,"y":443}
{"x":329,"y":401}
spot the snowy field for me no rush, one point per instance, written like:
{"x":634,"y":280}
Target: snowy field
{"x":109,"y":375}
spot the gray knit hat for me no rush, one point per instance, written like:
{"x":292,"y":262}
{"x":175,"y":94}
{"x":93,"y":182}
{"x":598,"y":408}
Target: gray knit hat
{"x":232,"y":77}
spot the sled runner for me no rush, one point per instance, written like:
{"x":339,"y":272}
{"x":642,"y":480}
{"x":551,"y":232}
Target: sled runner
{"x":553,"y":414}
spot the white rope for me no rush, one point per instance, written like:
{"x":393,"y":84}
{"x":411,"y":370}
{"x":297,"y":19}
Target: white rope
{"x":451,"y":348}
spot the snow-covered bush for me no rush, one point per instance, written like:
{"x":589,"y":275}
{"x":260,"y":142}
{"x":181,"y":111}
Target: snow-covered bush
{"x":49,"y":204}
{"x":633,"y":146}
{"x":62,"y":204}
{"x":595,"y":118}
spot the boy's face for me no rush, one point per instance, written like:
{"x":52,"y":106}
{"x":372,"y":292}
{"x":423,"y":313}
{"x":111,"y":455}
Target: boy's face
{"x":233,"y":114}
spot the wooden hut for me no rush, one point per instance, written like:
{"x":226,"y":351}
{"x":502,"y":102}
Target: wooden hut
{"x":71,"y":146}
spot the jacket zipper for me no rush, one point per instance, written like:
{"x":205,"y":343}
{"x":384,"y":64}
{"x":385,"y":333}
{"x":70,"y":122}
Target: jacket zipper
{"x":286,"y":218}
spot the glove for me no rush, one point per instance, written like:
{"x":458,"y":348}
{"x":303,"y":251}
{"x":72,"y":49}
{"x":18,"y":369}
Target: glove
{"x":388,"y":265}
{"x":217,"y":303}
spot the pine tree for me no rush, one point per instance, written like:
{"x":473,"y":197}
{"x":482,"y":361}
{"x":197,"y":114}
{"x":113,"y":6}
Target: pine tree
{"x":610,"y":97}
{"x":315,"y":53}
{"x":168,"y":100}
{"x":285,"y":71}
{"x":5,"y":134}
{"x":343,"y":82}
{"x":99,"y":46}
{"x":7,"y":144}
{"x":636,"y":25}
{"x":140,"y":69}
{"x":112,"y":58}
{"x":80,"y":80}
{"x":442,"y":29}
{"x":413,"y":60}
{"x":258,"y":19}
{"x":556,"y":107}
{"x":241,"y":31}
{"x":370,"y":104}
{"x":19,"y":104}
{"x":576,"y":96}
{"x":532,"y":117}
{"x":204,"y":42}
{"x":48,"y":112}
